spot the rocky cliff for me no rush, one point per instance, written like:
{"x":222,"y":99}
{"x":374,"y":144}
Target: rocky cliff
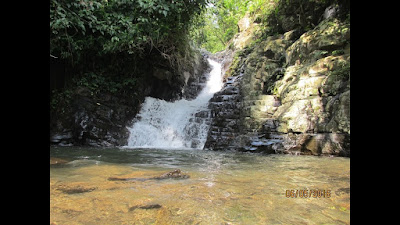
{"x":288,"y":92}
{"x":287,"y":88}
{"x":96,"y":117}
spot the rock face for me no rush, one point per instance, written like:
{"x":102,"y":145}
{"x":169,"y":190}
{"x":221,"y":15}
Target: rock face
{"x":225,"y":112}
{"x":287,"y":93}
{"x":94,"y":121}
{"x":101,"y":120}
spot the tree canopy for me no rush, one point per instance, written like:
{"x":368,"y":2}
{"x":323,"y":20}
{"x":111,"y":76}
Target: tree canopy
{"x":79,"y":27}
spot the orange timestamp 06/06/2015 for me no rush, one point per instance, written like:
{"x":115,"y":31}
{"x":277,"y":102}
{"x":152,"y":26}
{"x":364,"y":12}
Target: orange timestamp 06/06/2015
{"x":308,"y":193}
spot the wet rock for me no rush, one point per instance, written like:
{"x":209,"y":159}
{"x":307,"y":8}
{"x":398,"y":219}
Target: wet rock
{"x":317,"y":144}
{"x":63,"y":138}
{"x":342,"y":191}
{"x":266,"y":145}
{"x":225,"y":115}
{"x":119,"y":179}
{"x":149,"y":206}
{"x":76,"y":189}
{"x":58,"y":161}
{"x":100,"y":118}
{"x":94,"y":121}
{"x":330,"y":11}
{"x":176,"y":174}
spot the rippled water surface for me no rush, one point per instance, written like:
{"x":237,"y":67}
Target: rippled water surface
{"x":223,"y":187}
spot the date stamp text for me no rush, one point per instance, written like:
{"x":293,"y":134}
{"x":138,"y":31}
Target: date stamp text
{"x":308,"y":193}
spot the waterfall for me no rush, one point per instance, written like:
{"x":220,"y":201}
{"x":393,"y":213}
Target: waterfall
{"x":174,"y":125}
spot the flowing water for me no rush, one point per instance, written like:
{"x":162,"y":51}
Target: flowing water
{"x":162,"y":124}
{"x":223,"y":187}
{"x":118,"y":185}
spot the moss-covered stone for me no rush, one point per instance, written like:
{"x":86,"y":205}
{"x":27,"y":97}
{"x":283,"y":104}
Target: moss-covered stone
{"x":329,"y":35}
{"x":296,"y":89}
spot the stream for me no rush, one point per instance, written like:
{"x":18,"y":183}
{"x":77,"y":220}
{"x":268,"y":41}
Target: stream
{"x":221,"y":187}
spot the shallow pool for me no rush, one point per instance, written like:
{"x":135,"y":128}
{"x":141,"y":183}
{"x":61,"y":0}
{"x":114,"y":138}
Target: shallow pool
{"x":223,"y":187}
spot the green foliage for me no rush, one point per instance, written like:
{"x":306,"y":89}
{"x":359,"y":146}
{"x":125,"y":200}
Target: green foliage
{"x":272,"y":16}
{"x":101,"y":26}
{"x":219,"y":23}
{"x":59,"y":101}
{"x":338,"y":52}
{"x":343,"y":71}
{"x":109,"y":45}
{"x":98,"y":83}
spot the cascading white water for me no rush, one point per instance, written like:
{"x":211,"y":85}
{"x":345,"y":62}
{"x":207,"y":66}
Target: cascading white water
{"x":171,"y":125}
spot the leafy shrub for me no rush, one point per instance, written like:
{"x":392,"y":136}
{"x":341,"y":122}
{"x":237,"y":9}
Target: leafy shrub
{"x":133,"y":26}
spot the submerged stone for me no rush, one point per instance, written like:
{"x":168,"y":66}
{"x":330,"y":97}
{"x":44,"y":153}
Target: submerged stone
{"x":176,"y":174}
{"x":149,"y":206}
{"x":75,"y":189}
{"x":57,"y":161}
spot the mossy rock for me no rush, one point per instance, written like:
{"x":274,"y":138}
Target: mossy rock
{"x":330,"y":35}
